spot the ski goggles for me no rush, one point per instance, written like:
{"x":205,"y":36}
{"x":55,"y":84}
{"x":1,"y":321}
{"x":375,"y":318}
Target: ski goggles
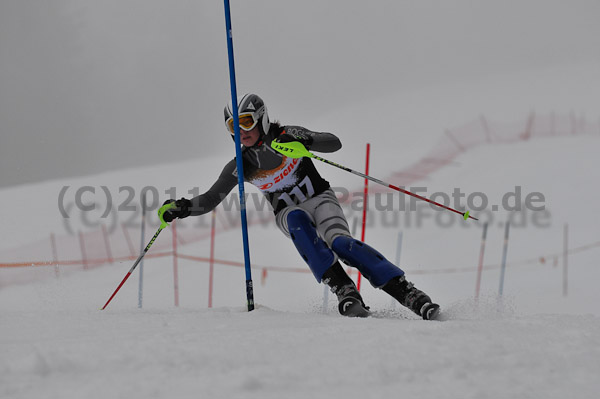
{"x":247,"y":122}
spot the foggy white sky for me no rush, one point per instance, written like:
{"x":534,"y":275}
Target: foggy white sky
{"x":88,"y":86}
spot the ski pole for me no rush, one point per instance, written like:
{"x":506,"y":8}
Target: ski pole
{"x":295,"y":149}
{"x":163,"y":224}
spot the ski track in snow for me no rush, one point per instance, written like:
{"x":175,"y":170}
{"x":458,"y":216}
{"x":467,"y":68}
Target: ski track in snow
{"x":229,"y":353}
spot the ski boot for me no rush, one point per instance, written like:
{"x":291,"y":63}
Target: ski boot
{"x":414,"y":299}
{"x":351,"y":303}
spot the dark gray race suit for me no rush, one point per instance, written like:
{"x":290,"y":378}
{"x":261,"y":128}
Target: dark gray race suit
{"x":284,"y":181}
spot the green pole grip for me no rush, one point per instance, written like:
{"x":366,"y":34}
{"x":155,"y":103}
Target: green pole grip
{"x":162,"y":210}
{"x":292,"y":149}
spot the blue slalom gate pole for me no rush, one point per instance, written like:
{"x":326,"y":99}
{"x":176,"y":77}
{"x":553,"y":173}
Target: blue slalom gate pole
{"x":238,"y":156}
{"x":398,"y":253}
{"x":325,"y":298}
{"x":399,"y":249}
{"x":503,"y":265}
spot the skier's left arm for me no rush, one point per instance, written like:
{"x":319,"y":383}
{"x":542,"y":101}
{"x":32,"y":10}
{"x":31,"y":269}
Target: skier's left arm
{"x":315,"y":141}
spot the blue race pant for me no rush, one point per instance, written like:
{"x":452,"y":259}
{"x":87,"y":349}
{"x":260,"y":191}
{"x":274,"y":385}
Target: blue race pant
{"x":373,"y":265}
{"x":312,"y":248}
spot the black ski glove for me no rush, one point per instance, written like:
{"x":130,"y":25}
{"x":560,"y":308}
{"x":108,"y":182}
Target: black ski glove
{"x":182,"y":210}
{"x":305,"y":139}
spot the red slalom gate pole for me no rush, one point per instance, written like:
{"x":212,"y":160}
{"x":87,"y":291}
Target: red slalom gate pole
{"x":54,"y":253}
{"x":350,"y":270}
{"x":212,"y":258}
{"x":83,"y":251}
{"x":364,"y":215}
{"x":107,"y":244}
{"x":480,"y":266}
{"x":566,"y":260}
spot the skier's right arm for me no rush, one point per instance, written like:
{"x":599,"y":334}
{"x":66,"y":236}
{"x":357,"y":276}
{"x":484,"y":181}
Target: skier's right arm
{"x":206,"y":202}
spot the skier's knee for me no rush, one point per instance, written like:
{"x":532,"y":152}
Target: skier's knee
{"x":311,"y":247}
{"x":373,"y":265}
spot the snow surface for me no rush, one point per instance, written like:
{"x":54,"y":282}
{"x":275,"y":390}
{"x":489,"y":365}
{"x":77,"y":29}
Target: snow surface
{"x":230,"y":353}
{"x":55,"y":343}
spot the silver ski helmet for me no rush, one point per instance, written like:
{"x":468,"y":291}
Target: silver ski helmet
{"x":252,"y":111}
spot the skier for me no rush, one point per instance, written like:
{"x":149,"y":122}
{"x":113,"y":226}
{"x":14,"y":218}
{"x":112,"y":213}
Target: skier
{"x":306,"y":210}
